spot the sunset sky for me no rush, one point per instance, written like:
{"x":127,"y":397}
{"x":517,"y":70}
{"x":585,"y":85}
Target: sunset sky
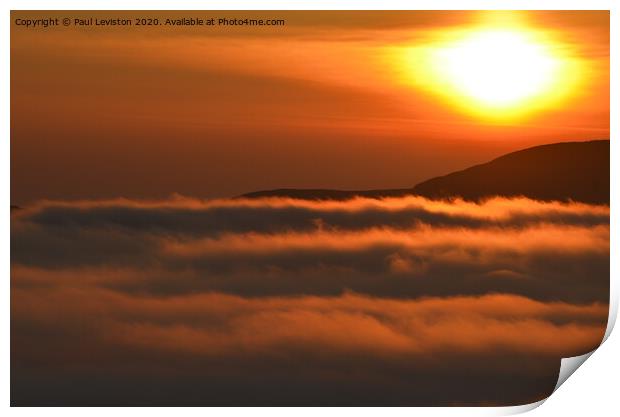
{"x":216,"y":112}
{"x":136,"y":280}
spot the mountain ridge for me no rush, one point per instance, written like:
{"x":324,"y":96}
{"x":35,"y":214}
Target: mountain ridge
{"x":565,"y":171}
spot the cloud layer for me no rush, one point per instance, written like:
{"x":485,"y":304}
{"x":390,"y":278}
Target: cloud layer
{"x":275,"y":301}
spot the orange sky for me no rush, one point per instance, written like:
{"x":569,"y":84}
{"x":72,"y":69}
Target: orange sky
{"x":324,"y":101}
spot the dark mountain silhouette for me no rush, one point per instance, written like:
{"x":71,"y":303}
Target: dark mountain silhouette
{"x":577,"y":171}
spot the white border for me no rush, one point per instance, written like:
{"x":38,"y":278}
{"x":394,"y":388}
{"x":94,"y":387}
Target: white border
{"x":592,"y":392}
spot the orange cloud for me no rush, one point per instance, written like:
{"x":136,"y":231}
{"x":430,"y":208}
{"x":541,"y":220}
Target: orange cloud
{"x":222,"y":325}
{"x":214,"y":302}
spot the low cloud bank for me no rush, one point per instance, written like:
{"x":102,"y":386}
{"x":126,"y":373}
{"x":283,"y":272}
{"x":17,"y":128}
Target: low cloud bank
{"x":271,"y":302}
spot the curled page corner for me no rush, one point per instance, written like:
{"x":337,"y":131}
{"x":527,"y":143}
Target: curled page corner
{"x":569,"y":366}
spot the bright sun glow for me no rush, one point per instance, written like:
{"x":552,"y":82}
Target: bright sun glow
{"x":497,"y":67}
{"x":496,"y":72}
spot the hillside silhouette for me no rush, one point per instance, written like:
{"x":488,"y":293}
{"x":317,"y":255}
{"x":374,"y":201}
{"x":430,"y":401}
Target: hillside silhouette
{"x":577,"y":171}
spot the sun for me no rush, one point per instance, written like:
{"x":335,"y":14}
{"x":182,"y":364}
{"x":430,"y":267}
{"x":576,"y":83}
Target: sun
{"x":497,"y":68}
{"x":493,"y":72}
